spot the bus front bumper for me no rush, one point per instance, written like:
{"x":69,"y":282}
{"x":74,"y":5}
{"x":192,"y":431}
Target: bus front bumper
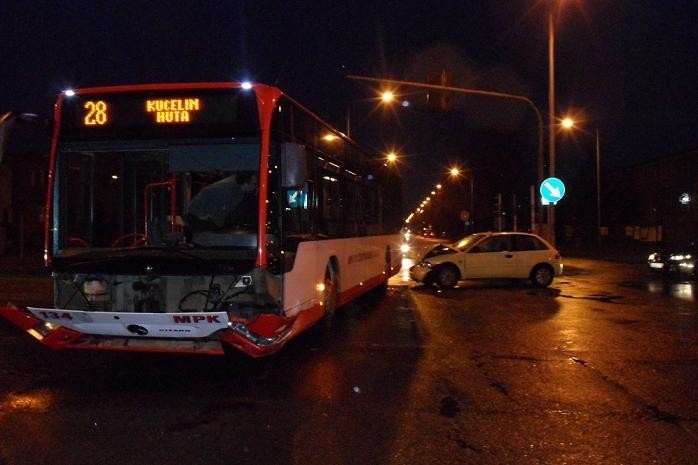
{"x":261,"y":336}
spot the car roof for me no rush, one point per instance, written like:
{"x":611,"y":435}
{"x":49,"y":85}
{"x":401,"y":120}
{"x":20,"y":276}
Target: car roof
{"x":518,"y":233}
{"x":505,"y":233}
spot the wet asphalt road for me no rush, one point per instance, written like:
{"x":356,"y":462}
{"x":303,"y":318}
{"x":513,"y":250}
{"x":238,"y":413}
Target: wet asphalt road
{"x":599,"y":368}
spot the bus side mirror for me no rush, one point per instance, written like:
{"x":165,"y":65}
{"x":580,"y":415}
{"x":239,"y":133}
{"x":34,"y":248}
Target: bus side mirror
{"x":295,"y":169}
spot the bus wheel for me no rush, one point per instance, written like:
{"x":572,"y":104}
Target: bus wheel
{"x":329,"y":296}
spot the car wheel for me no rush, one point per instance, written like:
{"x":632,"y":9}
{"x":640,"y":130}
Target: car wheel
{"x":542,"y":276}
{"x":447,"y":276}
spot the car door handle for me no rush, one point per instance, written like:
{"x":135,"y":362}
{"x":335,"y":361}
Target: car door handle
{"x":508,"y":256}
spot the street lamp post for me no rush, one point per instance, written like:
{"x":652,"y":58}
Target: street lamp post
{"x":551,"y":111}
{"x":455,"y":171}
{"x":598,"y":187}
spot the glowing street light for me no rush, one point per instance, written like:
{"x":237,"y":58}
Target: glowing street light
{"x":456,"y":172}
{"x":387,"y":96}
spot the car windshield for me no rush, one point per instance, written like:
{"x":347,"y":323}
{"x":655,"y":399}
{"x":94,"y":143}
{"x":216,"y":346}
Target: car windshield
{"x":467,"y":242}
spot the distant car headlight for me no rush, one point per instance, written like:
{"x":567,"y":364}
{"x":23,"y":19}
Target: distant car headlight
{"x":404,"y":248}
{"x":679,"y":257}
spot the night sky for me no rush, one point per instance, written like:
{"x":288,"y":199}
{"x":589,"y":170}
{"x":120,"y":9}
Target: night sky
{"x":630,"y":66}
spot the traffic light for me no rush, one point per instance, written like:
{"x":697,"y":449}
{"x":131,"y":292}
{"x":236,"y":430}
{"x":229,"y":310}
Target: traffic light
{"x":439,"y":100}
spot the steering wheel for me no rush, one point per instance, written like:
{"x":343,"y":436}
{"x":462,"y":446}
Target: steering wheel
{"x":130,"y":240}
{"x":78,"y":241}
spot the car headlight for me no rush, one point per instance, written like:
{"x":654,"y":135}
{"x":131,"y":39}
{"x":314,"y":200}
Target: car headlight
{"x":680,"y":257}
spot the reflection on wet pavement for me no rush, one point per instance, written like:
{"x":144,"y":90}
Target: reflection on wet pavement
{"x":683,"y":290}
{"x":35,"y":401}
{"x":403,"y":277}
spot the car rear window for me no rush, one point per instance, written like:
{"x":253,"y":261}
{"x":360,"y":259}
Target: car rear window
{"x":523,"y":243}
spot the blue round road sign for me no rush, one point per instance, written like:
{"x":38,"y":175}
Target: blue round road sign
{"x":552,"y":190}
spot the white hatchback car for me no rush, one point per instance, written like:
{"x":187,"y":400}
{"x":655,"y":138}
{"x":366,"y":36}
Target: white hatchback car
{"x":490,"y":255}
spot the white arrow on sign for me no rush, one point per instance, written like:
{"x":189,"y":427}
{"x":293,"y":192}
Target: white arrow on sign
{"x":554,"y":191}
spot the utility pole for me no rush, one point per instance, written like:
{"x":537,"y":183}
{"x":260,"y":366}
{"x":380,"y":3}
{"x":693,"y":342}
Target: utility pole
{"x":551,"y":112}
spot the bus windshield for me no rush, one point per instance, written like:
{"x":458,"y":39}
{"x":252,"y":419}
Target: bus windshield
{"x":131,"y":197}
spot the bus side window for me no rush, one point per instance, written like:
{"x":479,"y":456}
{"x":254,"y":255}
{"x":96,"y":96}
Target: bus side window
{"x":331,"y":220}
{"x":354,"y":213}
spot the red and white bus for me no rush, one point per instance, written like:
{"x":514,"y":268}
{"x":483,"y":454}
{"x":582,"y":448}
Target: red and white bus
{"x":204,"y":217}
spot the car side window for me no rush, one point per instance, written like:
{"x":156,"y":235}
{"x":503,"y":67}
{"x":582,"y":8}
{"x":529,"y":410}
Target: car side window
{"x":493,"y":244}
{"x":523,"y":243}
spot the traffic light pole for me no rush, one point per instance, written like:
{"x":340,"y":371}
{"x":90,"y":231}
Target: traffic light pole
{"x":486,"y":93}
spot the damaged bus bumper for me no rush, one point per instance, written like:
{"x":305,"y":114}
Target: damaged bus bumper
{"x":205,"y":333}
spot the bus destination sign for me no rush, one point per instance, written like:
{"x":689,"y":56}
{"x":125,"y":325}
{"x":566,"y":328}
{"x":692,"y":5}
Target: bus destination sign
{"x":175,"y":110}
{"x":164,"y":111}
{"x":158,"y":114}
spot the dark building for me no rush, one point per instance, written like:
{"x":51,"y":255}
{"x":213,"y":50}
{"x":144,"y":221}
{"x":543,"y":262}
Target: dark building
{"x":23,"y":174}
{"x":655,"y":201}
